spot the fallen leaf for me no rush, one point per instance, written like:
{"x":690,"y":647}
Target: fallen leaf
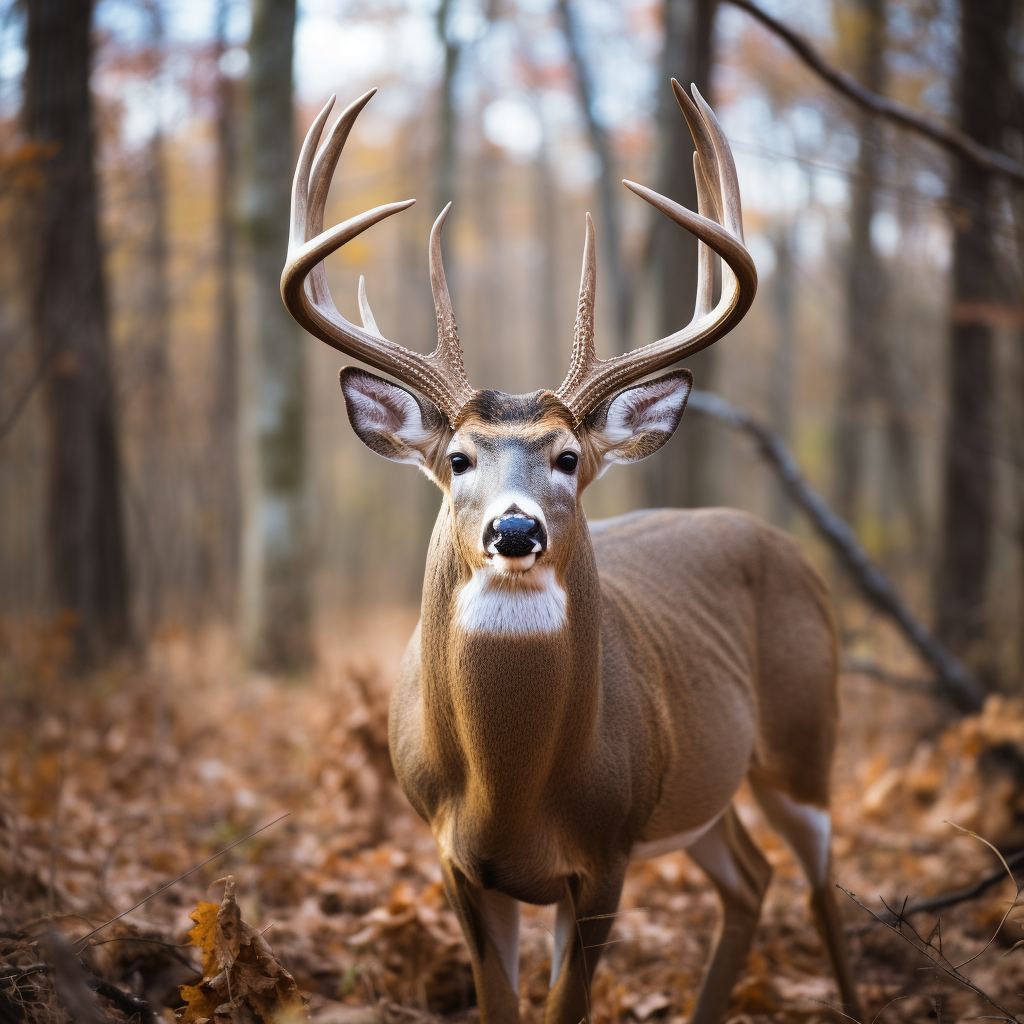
{"x":243,"y":981}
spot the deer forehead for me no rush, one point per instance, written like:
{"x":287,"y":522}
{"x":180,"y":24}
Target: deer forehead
{"x":495,"y":414}
{"x":501,"y":425}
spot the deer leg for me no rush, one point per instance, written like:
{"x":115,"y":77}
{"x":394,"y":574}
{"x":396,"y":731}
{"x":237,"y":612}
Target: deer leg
{"x":808,"y":831}
{"x":583,"y":919}
{"x":490,"y":922}
{"x":740,"y":873}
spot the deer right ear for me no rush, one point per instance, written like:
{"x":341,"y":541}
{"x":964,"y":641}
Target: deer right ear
{"x":391,"y":421}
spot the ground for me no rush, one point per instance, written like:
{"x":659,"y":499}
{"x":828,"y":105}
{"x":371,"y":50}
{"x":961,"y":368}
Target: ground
{"x":113,"y":785}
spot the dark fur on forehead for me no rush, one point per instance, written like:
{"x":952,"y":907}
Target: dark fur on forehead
{"x":495,"y":408}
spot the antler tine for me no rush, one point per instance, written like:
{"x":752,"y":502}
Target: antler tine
{"x":583,"y":353}
{"x":705,"y":148}
{"x":300,"y":183}
{"x":705,"y":257}
{"x":440,"y":376}
{"x":585,"y":387}
{"x":365,"y":313}
{"x":448,"y":349}
{"x":728,"y":180}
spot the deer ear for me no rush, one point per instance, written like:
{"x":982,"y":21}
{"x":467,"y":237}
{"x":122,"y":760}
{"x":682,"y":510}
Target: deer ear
{"x":638,"y":421}
{"x":391,"y":421}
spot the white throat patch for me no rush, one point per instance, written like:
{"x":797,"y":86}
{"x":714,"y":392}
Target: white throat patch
{"x":494,"y":603}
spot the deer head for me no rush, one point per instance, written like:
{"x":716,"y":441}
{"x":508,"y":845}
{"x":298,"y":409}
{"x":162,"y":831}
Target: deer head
{"x":513,"y":468}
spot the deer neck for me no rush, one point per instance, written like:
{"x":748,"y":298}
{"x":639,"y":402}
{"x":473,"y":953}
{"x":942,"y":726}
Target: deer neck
{"x":510,"y":674}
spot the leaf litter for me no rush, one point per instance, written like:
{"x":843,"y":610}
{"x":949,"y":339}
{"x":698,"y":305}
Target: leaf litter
{"x":112,"y":786}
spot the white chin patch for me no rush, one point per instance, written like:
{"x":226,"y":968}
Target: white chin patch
{"x":512,"y":601}
{"x":511,"y":565}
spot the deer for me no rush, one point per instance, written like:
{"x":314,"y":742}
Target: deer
{"x":577,"y":696}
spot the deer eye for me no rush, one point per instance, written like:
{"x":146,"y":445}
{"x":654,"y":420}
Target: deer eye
{"x":567,"y":462}
{"x":459,"y":463}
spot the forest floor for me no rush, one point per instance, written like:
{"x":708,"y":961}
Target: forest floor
{"x":112,"y":786}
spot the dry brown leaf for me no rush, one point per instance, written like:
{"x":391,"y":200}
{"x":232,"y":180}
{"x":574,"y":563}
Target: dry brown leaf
{"x":243,"y":981}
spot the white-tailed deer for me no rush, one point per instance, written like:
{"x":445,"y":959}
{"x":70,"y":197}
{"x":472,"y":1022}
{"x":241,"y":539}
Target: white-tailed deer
{"x":578,"y":696}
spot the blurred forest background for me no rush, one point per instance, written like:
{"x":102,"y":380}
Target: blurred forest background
{"x":884,"y":345}
{"x":206,"y":580}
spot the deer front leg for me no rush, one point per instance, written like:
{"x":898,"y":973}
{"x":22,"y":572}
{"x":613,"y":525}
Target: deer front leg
{"x":740,"y":873}
{"x":490,"y":922}
{"x":583,"y":920}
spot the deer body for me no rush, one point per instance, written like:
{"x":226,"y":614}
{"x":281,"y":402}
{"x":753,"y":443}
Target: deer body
{"x":575,"y":697}
{"x":675,"y":635}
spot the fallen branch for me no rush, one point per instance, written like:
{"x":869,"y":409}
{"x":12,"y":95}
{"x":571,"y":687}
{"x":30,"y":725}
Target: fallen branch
{"x":868,"y":667}
{"x":932,"y":953}
{"x":949,"y":138}
{"x":949,"y":899}
{"x":953,"y":680}
{"x":76,"y":983}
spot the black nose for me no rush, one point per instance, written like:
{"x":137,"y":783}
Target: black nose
{"x":514,"y":535}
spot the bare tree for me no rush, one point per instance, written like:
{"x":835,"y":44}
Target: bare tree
{"x":868,"y":380}
{"x":278,"y":608}
{"x":85,"y":541}
{"x":865,"y":282}
{"x":153,"y":339}
{"x":685,"y":475}
{"x":969,"y":485}
{"x":784,"y":374}
{"x":222,"y":559}
{"x":608,"y":183}
{"x":445,"y":169}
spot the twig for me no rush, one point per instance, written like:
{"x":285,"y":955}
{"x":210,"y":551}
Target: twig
{"x":954,"y":681}
{"x":927,"y":950}
{"x":8,"y":421}
{"x":1009,"y":872}
{"x":125,"y":1001}
{"x":950,"y":899}
{"x":16,"y":974}
{"x":867,"y":667}
{"x":949,"y":138}
{"x":190,"y":871}
{"x":588,"y":1019}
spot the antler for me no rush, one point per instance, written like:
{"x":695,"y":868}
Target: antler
{"x":719,"y":227}
{"x":440,"y":376}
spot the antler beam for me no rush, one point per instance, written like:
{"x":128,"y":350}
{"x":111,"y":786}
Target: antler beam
{"x":439,"y":376}
{"x":719,"y":227}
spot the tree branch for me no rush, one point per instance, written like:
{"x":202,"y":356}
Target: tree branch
{"x":949,"y":138}
{"x":954,"y":681}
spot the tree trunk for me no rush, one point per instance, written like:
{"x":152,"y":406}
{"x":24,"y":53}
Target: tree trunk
{"x":865,"y":283}
{"x":783,"y":389}
{"x":222,"y":558}
{"x":553,"y":360}
{"x":445,"y":169}
{"x":160,"y":491}
{"x":969,"y":485}
{"x":610,"y":230}
{"x":279,"y":619}
{"x":685,"y":477}
{"x":85,"y":540}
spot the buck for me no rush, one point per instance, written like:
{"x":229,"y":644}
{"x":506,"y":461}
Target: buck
{"x":577,"y":696}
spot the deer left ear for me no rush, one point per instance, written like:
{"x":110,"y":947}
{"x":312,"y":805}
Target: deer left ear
{"x":638,"y":421}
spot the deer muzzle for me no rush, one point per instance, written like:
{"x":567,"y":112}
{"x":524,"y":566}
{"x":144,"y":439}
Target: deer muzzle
{"x":515,"y":540}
